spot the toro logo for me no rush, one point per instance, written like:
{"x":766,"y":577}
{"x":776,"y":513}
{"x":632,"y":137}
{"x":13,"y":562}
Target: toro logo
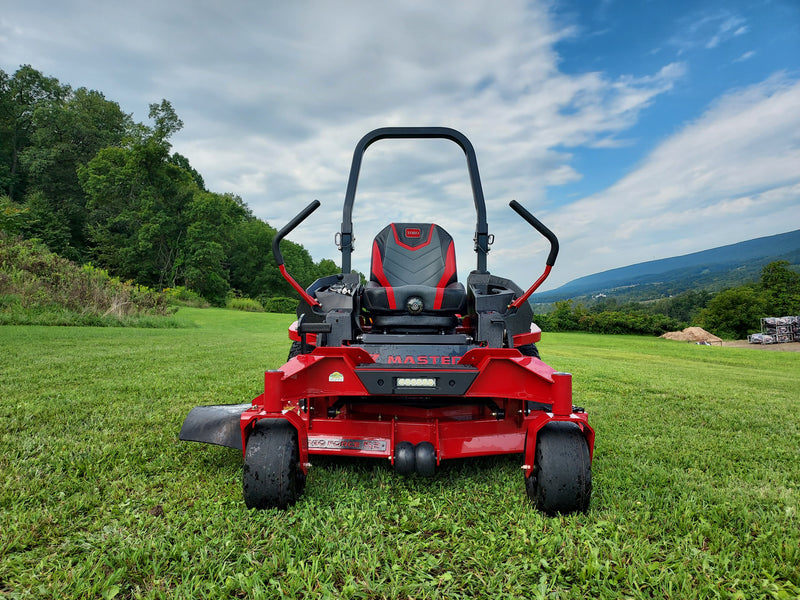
{"x":413,"y":232}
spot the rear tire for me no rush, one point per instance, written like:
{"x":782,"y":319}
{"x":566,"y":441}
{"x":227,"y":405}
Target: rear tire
{"x":295,"y":350}
{"x":561,"y":481}
{"x":271,"y":476}
{"x":529,"y":350}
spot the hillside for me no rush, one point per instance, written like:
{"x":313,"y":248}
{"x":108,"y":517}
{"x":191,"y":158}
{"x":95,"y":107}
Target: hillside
{"x":38,"y":287}
{"x":98,"y":188}
{"x":712,"y":269}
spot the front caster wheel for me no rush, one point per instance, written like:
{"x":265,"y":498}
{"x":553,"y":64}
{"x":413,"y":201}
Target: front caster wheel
{"x":425,"y":456}
{"x":561,"y":481}
{"x":272,"y":476}
{"x":404,"y":458}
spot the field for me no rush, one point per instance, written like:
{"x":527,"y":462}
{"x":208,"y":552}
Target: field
{"x":696,"y":480}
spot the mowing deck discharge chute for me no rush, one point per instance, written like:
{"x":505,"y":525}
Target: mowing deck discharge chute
{"x":413,"y":366}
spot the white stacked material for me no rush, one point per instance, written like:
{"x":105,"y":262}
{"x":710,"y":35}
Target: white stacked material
{"x":777,"y":330}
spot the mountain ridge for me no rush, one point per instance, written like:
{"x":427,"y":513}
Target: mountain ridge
{"x":715,"y":268}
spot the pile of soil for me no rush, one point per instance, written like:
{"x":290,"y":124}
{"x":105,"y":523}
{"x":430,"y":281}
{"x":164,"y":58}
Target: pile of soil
{"x":693,"y":334}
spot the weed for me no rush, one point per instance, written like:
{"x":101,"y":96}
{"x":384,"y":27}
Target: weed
{"x":38,"y":287}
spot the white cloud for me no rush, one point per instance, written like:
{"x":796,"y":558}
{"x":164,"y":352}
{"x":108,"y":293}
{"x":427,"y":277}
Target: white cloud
{"x":275,"y":95}
{"x":708,"y":29}
{"x":729,"y":176}
{"x":491,"y":74}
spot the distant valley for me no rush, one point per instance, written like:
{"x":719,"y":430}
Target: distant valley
{"x":712,"y":270}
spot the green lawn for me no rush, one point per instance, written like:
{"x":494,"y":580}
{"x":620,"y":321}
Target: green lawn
{"x":696,"y":480}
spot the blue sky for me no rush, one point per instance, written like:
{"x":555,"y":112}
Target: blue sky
{"x":636,"y":130}
{"x":722,"y":46}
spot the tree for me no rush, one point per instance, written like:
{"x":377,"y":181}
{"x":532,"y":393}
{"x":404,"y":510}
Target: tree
{"x":20,"y":96}
{"x":181,"y":161}
{"x":734,"y":313}
{"x":79,"y":174}
{"x":565,"y":317}
{"x":166,"y":121}
{"x":204,"y":272}
{"x":327,"y":267}
{"x":12,"y":216}
{"x":211,"y":219}
{"x":137,"y":202}
{"x":66,"y":136}
{"x":782,"y":288}
{"x":253,"y":270}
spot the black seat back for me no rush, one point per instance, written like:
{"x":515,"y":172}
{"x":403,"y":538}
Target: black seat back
{"x":413,"y":254}
{"x":413,"y":282}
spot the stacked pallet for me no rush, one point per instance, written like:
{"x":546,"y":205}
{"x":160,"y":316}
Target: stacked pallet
{"x":777,"y":330}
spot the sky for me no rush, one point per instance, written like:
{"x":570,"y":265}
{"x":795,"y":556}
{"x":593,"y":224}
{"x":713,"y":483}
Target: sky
{"x":634,"y":129}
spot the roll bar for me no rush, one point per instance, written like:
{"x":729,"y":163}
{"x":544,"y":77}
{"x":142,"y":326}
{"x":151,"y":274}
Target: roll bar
{"x":481,"y":227}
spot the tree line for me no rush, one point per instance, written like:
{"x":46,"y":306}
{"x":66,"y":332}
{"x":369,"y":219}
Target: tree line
{"x":79,"y":174}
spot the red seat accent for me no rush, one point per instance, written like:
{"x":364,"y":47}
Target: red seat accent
{"x":414,"y":259}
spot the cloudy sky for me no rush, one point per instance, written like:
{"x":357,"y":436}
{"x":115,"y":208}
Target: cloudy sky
{"x":635,"y":130}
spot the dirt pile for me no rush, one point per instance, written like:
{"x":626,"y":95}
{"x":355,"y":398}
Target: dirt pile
{"x":693,"y":334}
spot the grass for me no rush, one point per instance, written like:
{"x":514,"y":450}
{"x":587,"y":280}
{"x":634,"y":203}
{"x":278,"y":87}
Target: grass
{"x":696,"y":480}
{"x":38,"y":287}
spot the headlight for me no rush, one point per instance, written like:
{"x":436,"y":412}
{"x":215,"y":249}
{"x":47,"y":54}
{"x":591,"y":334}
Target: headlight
{"x":416,"y":382}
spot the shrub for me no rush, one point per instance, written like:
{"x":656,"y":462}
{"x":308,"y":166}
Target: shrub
{"x":569,"y":317}
{"x":637,"y":323}
{"x":182,"y":296}
{"x":280,"y":304}
{"x":246,"y":304}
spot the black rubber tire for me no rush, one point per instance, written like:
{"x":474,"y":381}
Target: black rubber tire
{"x":404,"y":458}
{"x":561,"y":481}
{"x":272,"y":476}
{"x":294,"y":351}
{"x":425,"y":455}
{"x":529,"y":350}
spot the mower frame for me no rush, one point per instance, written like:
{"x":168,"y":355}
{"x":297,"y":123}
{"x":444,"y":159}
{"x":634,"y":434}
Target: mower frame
{"x":413,"y":397}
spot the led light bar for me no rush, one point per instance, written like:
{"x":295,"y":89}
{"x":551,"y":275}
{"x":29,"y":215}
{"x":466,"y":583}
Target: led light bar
{"x":416,"y":382}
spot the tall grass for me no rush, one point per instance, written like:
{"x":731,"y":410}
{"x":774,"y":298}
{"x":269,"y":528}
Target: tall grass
{"x":696,"y":483}
{"x":38,"y":287}
{"x":245,"y":304}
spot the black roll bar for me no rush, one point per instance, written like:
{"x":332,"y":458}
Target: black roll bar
{"x":481,"y":227}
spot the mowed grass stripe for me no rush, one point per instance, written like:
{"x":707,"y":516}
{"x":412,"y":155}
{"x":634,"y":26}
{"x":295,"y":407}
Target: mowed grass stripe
{"x":696,"y":480}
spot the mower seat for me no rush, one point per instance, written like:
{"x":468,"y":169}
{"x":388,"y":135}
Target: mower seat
{"x":413,"y":279}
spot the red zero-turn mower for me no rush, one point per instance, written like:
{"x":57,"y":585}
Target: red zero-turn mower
{"x":413,"y":366}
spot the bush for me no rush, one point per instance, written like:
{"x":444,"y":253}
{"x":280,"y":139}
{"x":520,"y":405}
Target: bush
{"x":569,"y":317}
{"x":246,"y":304}
{"x":182,"y":296}
{"x":280,"y":304}
{"x":637,"y":323}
